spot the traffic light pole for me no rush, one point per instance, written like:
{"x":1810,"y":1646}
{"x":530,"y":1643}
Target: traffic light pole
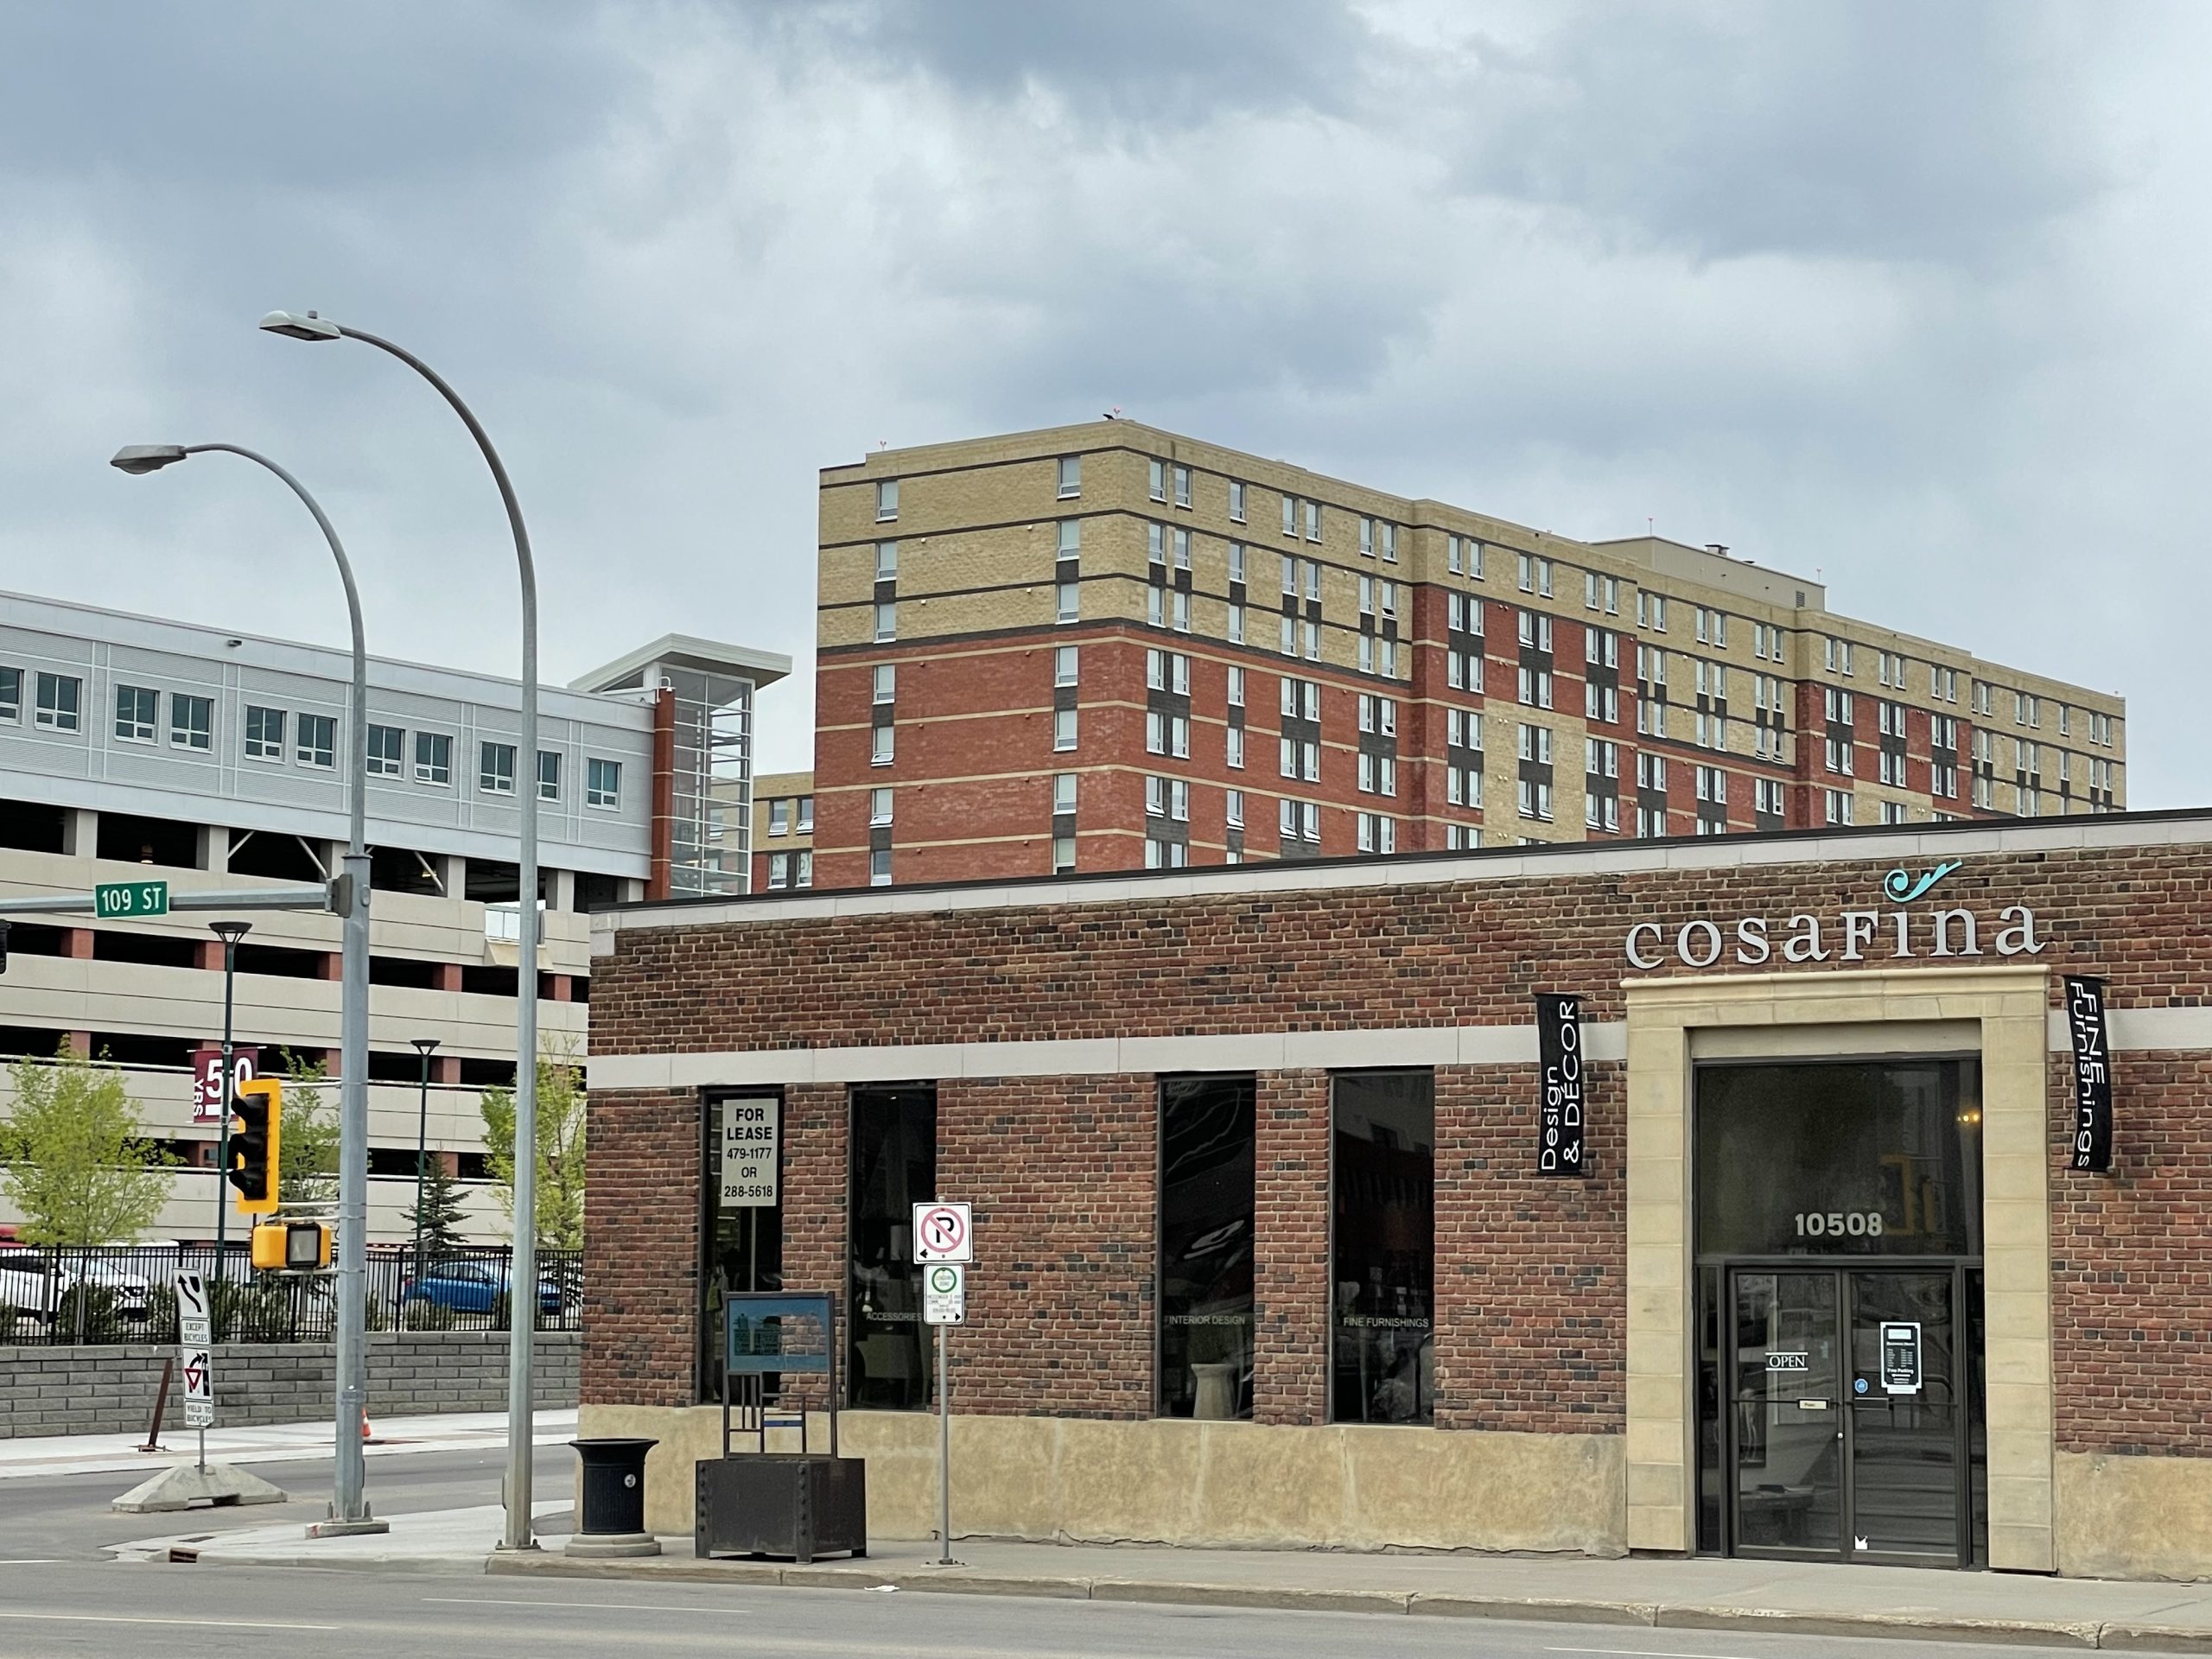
{"x":229,"y":933}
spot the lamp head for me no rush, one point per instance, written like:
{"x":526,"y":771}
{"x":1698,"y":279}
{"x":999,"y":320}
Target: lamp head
{"x":146,"y":457}
{"x":230,"y":931}
{"x":297,"y":325}
{"x":426,"y":1044}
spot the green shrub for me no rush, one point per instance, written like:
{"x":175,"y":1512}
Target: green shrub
{"x":431,"y":1316}
{"x":8,"y":1316}
{"x":88,"y":1313}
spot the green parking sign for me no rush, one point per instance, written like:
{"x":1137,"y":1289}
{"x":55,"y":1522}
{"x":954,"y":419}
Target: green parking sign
{"x":113,"y":899}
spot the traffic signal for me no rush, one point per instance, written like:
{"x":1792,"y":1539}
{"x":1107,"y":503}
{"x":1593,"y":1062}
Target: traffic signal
{"x":292,"y":1246}
{"x":257,"y":1124}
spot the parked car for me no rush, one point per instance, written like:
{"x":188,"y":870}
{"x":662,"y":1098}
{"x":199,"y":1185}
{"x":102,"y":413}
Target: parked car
{"x":473,"y":1287}
{"x":36,"y":1282}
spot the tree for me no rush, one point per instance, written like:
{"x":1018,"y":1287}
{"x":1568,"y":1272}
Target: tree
{"x":79,"y":1165}
{"x":439,"y":1215}
{"x":560,"y":1147}
{"x":307,"y":1148}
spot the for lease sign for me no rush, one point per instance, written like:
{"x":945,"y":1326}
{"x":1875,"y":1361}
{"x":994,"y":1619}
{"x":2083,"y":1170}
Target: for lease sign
{"x":752,"y":1134}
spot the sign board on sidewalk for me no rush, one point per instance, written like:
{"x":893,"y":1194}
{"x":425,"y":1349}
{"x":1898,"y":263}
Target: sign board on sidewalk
{"x":944,"y":1293}
{"x":113,"y":899}
{"x":1900,"y":1358}
{"x":196,"y":1328}
{"x":943,"y":1233}
{"x":752,"y":1130}
{"x":207,"y":1095}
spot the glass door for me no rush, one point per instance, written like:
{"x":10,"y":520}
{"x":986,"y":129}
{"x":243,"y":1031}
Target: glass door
{"x":1788,"y":1417}
{"x":1907,"y":1417}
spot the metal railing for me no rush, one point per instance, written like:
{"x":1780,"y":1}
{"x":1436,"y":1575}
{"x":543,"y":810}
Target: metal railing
{"x":58,"y":1295}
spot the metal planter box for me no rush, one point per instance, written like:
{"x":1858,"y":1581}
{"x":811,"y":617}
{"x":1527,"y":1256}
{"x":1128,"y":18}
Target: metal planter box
{"x":794,"y":1504}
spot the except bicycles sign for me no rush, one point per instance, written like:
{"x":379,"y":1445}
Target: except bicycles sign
{"x":943,"y":1232}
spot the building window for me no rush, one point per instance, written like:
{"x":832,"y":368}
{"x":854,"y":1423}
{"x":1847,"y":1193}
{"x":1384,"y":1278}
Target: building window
{"x":1070,"y":601}
{"x":1062,"y":729}
{"x":136,"y":711}
{"x":1065,"y":662}
{"x":1064,"y":789}
{"x":1063,"y":854}
{"x":59,"y":708}
{"x":1233,"y":808}
{"x":264,"y":733}
{"x":1182,"y":486}
{"x":1313,"y":521}
{"x":1156,"y":479}
{"x":192,"y":722}
{"x":779,"y":816}
{"x":433,"y":755}
{"x":879,"y":808}
{"x":1893,"y":812}
{"x":548,"y":775}
{"x":495,"y":769}
{"x":11,"y":694}
{"x":1070,"y":477}
{"x":318,"y":736}
{"x":1377,"y":834}
{"x":1837,"y":804}
{"x":780,"y":866}
{"x":1234,"y":736}
{"x":603,"y":782}
{"x":883,"y":745}
{"x":1383,"y":1247}
{"x":893,"y":1166}
{"x":887,"y":501}
{"x":886,"y":620}
{"x":387,"y":744}
{"x":883,"y":686}
{"x":887,"y":560}
{"x":879,"y":867}
{"x":1236,"y":502}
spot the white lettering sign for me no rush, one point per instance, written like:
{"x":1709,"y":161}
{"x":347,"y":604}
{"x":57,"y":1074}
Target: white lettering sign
{"x":752,"y":1134}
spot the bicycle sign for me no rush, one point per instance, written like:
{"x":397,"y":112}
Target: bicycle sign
{"x":943,"y":1233}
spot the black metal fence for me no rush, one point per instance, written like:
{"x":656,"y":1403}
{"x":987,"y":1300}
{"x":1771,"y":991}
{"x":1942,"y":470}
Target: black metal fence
{"x":121,"y":1294}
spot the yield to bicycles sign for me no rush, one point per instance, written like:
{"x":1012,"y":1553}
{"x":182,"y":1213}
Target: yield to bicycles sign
{"x":943,"y":1232}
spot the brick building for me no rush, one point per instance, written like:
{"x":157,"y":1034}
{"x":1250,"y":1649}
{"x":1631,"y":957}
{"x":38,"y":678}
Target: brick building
{"x":1109,"y":647}
{"x":1267,"y":1250}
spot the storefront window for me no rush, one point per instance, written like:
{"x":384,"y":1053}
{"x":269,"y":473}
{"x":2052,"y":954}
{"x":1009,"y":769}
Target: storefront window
{"x":743,"y":1220}
{"x":894,"y":1168}
{"x":1839,"y":1158}
{"x":1205,"y":1247}
{"x":1384,"y":1248}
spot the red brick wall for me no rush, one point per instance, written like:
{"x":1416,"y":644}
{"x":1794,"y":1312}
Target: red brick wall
{"x":1062,"y":1173}
{"x":2130,"y":1270}
{"x":1531,"y":1271}
{"x":642,"y":1155}
{"x":1290,"y":1382}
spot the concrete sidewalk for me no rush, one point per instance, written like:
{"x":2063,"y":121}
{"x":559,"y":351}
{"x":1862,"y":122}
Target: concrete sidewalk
{"x":88,"y":1454}
{"x":1775,"y":1597}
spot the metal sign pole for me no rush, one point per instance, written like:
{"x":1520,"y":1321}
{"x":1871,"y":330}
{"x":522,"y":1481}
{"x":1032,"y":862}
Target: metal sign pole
{"x":944,"y":1453}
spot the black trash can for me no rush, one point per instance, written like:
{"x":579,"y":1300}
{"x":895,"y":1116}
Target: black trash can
{"x":611,"y":1518}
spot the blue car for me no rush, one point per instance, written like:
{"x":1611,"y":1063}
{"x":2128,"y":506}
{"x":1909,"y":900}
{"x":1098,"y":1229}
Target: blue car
{"x":472,"y":1287}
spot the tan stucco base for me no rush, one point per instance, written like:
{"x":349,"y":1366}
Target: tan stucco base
{"x":1191,"y":1482}
{"x":2123,"y":1517}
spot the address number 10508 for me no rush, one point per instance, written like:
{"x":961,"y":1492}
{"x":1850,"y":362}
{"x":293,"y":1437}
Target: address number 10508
{"x":1840,"y":1224}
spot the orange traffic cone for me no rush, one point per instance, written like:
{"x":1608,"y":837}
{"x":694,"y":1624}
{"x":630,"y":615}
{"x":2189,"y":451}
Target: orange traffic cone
{"x":368,"y":1435}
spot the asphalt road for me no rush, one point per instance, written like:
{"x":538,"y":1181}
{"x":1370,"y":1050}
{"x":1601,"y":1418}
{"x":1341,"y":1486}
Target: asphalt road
{"x":201,"y":1612}
{"x":66,"y":1518}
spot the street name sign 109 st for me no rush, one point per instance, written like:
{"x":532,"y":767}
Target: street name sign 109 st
{"x":114,"y":899}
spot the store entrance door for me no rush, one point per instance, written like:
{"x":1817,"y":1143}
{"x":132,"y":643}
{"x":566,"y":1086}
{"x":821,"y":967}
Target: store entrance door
{"x":1849,"y":1424}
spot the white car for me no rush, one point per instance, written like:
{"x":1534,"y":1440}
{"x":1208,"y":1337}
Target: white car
{"x":33,"y":1281}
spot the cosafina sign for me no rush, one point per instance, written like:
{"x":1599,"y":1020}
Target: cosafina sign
{"x":2085,"y":1027}
{"x":1889,"y":933}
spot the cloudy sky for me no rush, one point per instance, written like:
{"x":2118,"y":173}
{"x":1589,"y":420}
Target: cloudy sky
{"x":1912,"y":296}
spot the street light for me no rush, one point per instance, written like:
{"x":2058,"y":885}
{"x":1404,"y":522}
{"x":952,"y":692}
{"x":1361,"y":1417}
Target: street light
{"x":230,"y":933}
{"x":310,"y":326}
{"x":349,"y":1511}
{"x":422,"y":1047}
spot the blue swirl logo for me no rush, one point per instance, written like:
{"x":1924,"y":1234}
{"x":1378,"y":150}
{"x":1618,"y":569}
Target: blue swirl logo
{"x":1903,"y":887}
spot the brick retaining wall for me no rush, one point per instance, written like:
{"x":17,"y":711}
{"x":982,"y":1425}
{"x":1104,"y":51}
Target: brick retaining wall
{"x":110,"y":1389}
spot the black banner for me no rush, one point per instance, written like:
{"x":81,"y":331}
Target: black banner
{"x":2085,"y":1023}
{"x":1559,"y":1109}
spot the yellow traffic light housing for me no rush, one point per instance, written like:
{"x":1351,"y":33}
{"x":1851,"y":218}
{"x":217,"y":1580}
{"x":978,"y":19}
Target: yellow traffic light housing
{"x":292,"y":1246}
{"x":257,"y":1127}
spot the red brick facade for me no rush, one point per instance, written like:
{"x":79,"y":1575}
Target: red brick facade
{"x":1531,"y":1285}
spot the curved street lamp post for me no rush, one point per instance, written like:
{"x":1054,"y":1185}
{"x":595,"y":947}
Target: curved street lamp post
{"x":349,"y":1510}
{"x":523,"y":1278}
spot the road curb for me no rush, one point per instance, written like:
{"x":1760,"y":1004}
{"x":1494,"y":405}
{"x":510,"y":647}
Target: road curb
{"x":863,"y":1574}
{"x":2024,"y":1632}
